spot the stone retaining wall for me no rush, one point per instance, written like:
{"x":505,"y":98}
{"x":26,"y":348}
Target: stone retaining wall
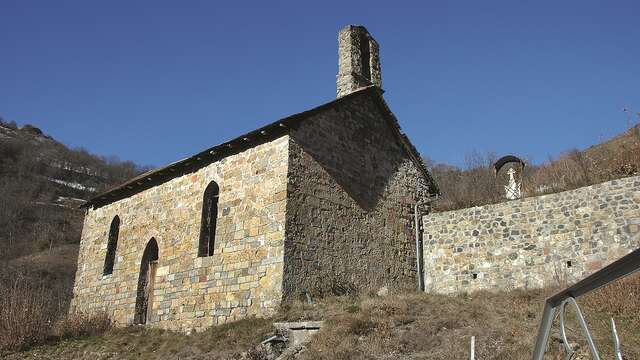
{"x":532,"y":242}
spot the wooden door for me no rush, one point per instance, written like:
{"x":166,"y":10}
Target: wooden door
{"x":146,"y":281}
{"x":148,"y":289}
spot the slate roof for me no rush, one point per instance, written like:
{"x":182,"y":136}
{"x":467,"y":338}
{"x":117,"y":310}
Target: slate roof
{"x":264,"y":134}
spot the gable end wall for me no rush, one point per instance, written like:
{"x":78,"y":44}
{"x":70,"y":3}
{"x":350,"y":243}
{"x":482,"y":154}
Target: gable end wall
{"x":349,"y":208}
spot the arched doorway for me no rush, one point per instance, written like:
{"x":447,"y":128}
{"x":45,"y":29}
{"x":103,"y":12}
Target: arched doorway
{"x":144,"y":294}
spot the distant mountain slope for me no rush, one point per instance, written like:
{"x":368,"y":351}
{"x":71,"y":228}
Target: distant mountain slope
{"x":43,"y":182}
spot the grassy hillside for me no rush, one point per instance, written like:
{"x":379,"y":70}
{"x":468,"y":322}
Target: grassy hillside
{"x":409,"y":326}
{"x":43,"y":182}
{"x":476,"y":184}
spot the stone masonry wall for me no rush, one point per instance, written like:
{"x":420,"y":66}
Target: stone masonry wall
{"x":532,"y":242}
{"x":351,"y":187}
{"x":244,"y":276}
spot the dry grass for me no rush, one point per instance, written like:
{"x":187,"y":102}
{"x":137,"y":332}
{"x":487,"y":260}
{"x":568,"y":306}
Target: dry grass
{"x":409,"y":326}
{"x":228,"y":341}
{"x":34,"y":293}
{"x":81,"y":325}
{"x":406,"y":326}
{"x":423,"y":326}
{"x":620,"y":301}
{"x":25,"y":315}
{"x":415,"y":326}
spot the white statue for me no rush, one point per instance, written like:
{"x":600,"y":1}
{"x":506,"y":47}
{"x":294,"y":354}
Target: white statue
{"x":512,"y":190}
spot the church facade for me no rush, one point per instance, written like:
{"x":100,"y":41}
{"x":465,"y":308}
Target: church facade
{"x":313,"y":204}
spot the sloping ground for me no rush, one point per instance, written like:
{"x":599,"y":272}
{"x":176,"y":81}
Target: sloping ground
{"x":43,"y":182}
{"x":410,"y":326}
{"x":53,"y":269}
{"x":476,"y":184}
{"x":628,"y":139}
{"x":229,"y":341}
{"x":39,"y":217}
{"x":51,"y":265}
{"x":440,"y":327}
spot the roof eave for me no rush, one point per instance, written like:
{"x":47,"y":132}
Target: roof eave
{"x":160,"y":175}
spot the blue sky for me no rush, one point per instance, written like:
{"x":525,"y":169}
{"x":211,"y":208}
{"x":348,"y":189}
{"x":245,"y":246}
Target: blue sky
{"x":156,"y":81}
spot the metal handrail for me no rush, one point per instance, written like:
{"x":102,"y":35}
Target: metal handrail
{"x":618,"y":269}
{"x":583,"y":325}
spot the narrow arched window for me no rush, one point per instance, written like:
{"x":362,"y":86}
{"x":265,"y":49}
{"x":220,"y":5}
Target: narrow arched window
{"x":208,"y":221}
{"x":112,"y":244}
{"x":365,"y":56}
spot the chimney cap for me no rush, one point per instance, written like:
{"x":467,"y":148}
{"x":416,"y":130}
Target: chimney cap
{"x":358,"y":60}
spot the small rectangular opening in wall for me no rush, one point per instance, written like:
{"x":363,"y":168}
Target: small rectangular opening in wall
{"x":365,"y":56}
{"x":475,"y":276}
{"x":569,"y":264}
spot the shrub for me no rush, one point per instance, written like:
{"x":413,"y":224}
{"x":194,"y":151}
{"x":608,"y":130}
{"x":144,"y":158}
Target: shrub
{"x":29,"y":313}
{"x":26,"y":314}
{"x":80,"y":325}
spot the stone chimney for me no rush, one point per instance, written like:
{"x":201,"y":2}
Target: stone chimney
{"x":358,"y":60}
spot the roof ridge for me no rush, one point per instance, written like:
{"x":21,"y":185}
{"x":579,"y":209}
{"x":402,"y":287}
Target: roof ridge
{"x":267,"y":132}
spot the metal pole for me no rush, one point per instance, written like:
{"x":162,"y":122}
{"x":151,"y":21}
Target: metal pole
{"x":616,"y":340}
{"x":473,"y":348}
{"x":418,"y":248}
{"x":583,"y":325}
{"x":543,"y":331}
{"x":620,"y":268}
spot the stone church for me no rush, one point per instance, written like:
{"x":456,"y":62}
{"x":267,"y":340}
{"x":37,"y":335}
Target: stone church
{"x":320,"y":202}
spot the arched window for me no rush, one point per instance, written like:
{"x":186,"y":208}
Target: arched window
{"x":208,"y":221}
{"x":112,"y":244}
